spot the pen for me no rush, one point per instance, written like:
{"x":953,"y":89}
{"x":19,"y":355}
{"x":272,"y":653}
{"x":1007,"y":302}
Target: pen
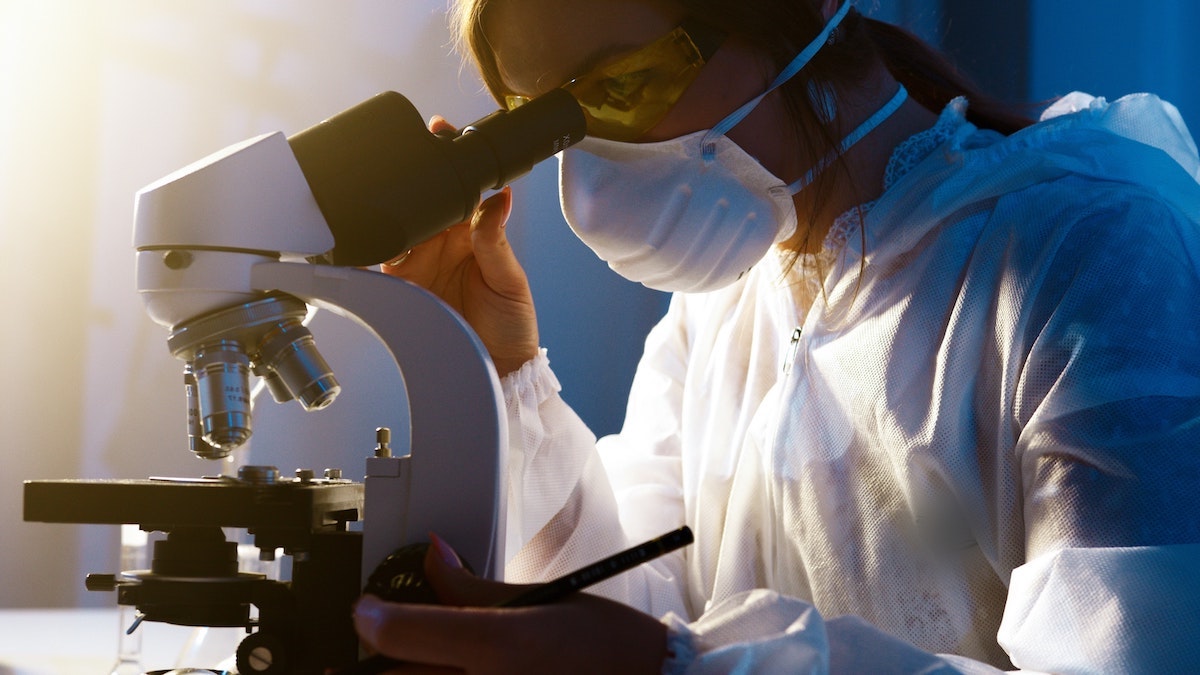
{"x":561,"y":587}
{"x":599,"y":571}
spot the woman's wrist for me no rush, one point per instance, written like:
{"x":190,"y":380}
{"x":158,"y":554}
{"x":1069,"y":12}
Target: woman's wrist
{"x":509,"y":365}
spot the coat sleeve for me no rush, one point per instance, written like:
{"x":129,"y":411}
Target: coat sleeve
{"x":574,"y":500}
{"x":763,"y":632}
{"x":1109,"y":451}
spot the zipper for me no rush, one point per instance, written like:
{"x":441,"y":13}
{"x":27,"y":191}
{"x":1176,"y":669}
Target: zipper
{"x":793,"y":349}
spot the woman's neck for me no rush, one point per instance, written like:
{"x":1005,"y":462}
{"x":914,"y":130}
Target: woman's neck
{"x":867,"y":161}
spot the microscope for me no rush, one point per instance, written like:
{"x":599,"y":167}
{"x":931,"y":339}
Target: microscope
{"x":231,"y":253}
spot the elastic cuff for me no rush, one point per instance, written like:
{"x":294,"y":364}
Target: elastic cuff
{"x":681,"y":645}
{"x":533,"y":379}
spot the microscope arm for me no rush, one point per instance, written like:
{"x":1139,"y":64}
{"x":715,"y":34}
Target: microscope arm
{"x":453,"y":482}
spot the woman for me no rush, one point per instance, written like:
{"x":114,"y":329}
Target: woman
{"x":929,"y":384}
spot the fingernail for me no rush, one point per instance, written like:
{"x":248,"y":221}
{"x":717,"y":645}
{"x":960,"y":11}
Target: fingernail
{"x":447,"y":554}
{"x":399,"y":260}
{"x":369,"y":607}
{"x":508,"y":204}
{"x":368,"y":616}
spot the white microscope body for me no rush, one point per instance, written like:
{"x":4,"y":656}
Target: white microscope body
{"x":231,"y":252}
{"x":221,"y":248}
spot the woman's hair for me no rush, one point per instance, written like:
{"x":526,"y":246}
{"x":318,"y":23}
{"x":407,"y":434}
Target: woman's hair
{"x":782,"y":28}
{"x":466,"y":26}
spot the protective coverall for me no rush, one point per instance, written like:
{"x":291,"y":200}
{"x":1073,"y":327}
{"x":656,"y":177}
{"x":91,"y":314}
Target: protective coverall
{"x":970,"y":426}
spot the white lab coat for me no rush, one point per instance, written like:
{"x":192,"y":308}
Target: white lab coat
{"x":989,"y":424}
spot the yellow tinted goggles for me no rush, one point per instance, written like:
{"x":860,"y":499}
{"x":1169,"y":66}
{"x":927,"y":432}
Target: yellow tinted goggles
{"x":625,"y":99}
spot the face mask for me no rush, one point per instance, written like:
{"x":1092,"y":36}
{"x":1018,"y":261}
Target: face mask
{"x":694,"y":213}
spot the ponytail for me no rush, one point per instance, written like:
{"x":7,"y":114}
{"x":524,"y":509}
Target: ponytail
{"x":933,"y":81}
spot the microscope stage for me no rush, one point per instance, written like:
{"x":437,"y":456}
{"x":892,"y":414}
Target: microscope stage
{"x":156,"y":503}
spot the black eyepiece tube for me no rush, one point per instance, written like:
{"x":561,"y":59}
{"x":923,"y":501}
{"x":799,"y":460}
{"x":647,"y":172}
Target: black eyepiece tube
{"x":385,"y":183}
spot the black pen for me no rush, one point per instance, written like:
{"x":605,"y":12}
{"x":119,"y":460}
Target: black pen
{"x":560,"y":588}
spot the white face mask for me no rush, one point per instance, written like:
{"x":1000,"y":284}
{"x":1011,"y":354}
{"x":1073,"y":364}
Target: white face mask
{"x":693,"y":213}
{"x":660,"y":215}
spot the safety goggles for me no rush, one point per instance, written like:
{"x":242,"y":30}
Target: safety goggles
{"x":625,"y":99}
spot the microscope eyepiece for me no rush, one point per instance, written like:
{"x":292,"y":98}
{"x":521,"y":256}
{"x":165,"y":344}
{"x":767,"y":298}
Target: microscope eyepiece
{"x":385,"y":183}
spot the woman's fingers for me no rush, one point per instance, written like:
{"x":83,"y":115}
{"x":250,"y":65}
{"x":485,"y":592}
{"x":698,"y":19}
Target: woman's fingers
{"x":472,"y":268}
{"x":454,"y":585}
{"x":438,"y":124}
{"x":489,"y":241}
{"x":580,"y":634}
{"x":429,"y":634}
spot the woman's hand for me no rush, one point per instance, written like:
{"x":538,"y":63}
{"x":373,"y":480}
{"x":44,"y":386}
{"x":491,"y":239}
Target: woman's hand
{"x":581,"y":634}
{"x":472,"y":268}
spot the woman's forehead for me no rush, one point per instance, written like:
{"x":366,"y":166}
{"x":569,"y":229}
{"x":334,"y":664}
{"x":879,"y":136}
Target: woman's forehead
{"x":540,"y":44}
